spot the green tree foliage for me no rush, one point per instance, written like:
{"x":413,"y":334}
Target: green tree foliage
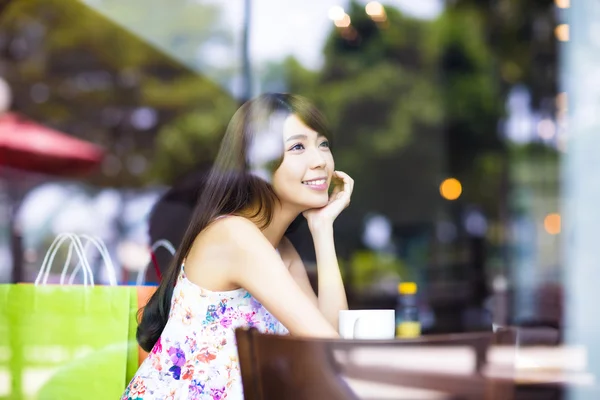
{"x":96,"y":64}
{"x":411,"y":102}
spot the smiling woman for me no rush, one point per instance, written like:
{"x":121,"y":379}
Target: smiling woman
{"x":235,"y":267}
{"x":308,"y":162}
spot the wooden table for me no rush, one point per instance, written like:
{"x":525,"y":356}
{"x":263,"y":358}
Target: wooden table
{"x":394,"y":373}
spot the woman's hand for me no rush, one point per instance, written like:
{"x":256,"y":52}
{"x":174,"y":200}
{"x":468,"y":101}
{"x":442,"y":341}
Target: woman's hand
{"x":338,"y":201}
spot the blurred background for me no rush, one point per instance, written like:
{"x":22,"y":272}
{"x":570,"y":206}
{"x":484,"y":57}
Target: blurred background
{"x":449,"y":115}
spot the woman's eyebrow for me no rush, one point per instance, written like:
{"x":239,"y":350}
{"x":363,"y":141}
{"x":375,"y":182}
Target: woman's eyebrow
{"x":301,"y":136}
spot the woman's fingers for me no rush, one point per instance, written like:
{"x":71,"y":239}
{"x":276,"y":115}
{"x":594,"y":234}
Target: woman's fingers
{"x":346,"y":188}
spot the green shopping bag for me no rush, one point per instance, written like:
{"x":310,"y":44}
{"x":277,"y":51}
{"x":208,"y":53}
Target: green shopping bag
{"x":68,"y":342}
{"x":134,"y":358}
{"x":65,"y":342}
{"x":5,"y":353}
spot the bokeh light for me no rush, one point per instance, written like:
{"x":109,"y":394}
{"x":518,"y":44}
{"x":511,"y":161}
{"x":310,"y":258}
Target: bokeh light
{"x":552,"y":223}
{"x":562,"y":32}
{"x":562,"y":3}
{"x":336,"y":13}
{"x":546,"y":129}
{"x":374,"y":8}
{"x":349,"y":33}
{"x":451,"y":189}
{"x":376,"y":11}
{"x":344,"y":22}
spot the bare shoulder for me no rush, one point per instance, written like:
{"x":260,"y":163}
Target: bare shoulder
{"x":237,"y":232}
{"x":232,"y":237}
{"x":220,"y":249}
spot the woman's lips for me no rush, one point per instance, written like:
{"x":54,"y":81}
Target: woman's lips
{"x":316,"y":184}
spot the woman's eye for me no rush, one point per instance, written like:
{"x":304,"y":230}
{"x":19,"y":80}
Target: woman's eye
{"x":325,"y":144}
{"x":298,"y":146}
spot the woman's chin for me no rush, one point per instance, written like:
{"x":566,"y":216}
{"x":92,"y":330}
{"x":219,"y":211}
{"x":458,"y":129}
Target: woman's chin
{"x":316,"y":204}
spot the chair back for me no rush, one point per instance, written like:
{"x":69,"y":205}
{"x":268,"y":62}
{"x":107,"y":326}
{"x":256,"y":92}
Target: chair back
{"x":282,"y":367}
{"x":434,"y":367}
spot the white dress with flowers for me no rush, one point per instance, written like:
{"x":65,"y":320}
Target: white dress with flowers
{"x":196,"y":355}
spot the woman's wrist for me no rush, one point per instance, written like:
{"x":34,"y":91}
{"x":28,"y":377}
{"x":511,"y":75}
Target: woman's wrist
{"x":321,"y":228}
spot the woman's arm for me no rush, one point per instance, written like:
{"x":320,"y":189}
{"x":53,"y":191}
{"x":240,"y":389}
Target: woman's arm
{"x":297,"y":269}
{"x":332,"y":295}
{"x":255,"y":265}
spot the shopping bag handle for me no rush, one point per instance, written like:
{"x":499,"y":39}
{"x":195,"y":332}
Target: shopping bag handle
{"x":102,"y":249}
{"x":159,"y":243}
{"x":164,"y":243}
{"x":44,"y":272}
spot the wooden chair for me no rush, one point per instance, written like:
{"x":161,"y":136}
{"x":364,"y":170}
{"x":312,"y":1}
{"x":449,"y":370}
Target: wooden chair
{"x":281,"y":367}
{"x":285,"y":367}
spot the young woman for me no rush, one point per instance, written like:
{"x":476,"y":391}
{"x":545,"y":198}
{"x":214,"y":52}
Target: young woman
{"x":235,"y":267}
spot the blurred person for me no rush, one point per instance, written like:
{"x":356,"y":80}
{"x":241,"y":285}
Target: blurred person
{"x":235,"y":267}
{"x":170,"y":216}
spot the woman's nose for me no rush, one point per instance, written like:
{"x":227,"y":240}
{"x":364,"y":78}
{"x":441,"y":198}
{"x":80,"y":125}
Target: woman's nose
{"x":317,"y":159}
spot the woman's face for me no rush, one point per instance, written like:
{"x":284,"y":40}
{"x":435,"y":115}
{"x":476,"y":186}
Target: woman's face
{"x":305,"y":173}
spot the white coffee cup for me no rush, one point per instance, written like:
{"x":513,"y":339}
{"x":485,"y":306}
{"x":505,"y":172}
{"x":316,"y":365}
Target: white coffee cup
{"x":367,"y":324}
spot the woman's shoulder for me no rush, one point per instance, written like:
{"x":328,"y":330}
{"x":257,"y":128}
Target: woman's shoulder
{"x":232,"y":233}
{"x":225,"y":242}
{"x":233,"y":225}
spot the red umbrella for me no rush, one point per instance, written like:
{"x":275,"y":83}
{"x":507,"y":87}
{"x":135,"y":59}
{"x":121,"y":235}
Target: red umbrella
{"x":30,"y":146}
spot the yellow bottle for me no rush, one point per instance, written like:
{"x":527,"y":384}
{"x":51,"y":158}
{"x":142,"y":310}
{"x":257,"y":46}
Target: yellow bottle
{"x":407,"y":312}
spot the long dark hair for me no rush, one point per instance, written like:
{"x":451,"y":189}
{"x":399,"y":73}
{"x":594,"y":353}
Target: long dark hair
{"x":233,"y":186}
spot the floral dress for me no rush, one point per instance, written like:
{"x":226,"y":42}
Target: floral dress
{"x":196,"y":354}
